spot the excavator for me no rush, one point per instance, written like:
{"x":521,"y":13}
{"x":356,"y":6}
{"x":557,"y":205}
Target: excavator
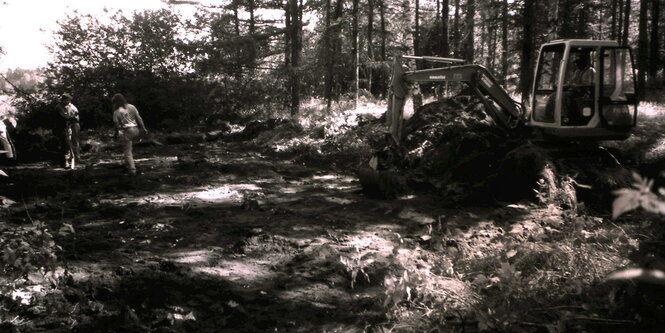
{"x":603,"y":108}
{"x":583,"y":92}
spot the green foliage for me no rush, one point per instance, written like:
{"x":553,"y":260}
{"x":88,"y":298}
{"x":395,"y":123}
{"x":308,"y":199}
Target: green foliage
{"x":639,"y":195}
{"x":176,"y":72}
{"x":27,"y":249}
{"x":403,"y":288}
{"x":356,"y":265}
{"x":26,"y":80}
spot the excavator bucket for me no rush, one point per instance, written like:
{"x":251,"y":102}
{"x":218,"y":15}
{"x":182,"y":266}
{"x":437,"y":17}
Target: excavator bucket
{"x":506,"y":112}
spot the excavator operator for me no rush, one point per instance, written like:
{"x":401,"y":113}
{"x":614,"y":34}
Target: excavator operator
{"x":578,"y":91}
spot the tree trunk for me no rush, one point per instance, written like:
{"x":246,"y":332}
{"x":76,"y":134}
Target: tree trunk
{"x":445,"y":43}
{"x":492,"y":42}
{"x":327,"y":87}
{"x":293,"y":39}
{"x":355,"y":50}
{"x":296,"y":50}
{"x":613,"y":29}
{"x":526,"y":68}
{"x":484,"y":38}
{"x":337,"y":46}
{"x":642,"y":45}
{"x":566,"y":12}
{"x":620,"y":12}
{"x":236,"y":18}
{"x":626,"y":23}
{"x":287,"y":34}
{"x":370,"y":42}
{"x":456,"y":32}
{"x":654,"y":48}
{"x":470,"y":25}
{"x":382,"y":10}
{"x":504,"y":43}
{"x":251,"y":6}
{"x":416,"y":33}
{"x":582,"y":15}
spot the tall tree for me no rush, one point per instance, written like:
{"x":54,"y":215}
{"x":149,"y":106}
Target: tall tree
{"x":526,"y":70}
{"x":370,"y":29}
{"x":445,"y":44}
{"x":484,"y":37}
{"x":654,"y":47}
{"x":382,"y":14}
{"x":355,"y":49}
{"x":335,"y":47}
{"x":620,"y":13}
{"x":456,"y":30}
{"x":470,"y":32}
{"x":582,"y":10}
{"x":416,"y":33}
{"x":251,"y":7}
{"x":642,"y":45}
{"x":626,"y":22}
{"x":370,"y":42}
{"x":328,"y":54}
{"x":287,"y":34}
{"x":236,"y":17}
{"x":504,"y":42}
{"x":565,"y":28}
{"x":613,"y":29}
{"x":295,"y":32}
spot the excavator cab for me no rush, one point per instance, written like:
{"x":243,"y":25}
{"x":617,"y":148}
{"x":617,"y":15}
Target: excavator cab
{"x":584,"y":90}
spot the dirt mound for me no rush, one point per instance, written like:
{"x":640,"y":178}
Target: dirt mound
{"x":452,"y":148}
{"x":449,"y":146}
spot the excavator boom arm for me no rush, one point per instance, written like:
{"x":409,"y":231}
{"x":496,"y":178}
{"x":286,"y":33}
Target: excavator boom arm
{"x":506,"y":112}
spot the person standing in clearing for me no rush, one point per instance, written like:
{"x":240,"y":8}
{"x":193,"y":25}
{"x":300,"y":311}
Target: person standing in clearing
{"x":70,"y":115}
{"x":127,"y":122}
{"x":5,"y":141}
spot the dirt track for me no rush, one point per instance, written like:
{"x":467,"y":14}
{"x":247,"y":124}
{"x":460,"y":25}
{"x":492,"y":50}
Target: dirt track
{"x":217,"y":237}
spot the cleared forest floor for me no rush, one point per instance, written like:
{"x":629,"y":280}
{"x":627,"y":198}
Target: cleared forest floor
{"x":217,"y":237}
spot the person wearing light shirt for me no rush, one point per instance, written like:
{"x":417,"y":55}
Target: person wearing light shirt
{"x":127,"y":122}
{"x":70,"y":115}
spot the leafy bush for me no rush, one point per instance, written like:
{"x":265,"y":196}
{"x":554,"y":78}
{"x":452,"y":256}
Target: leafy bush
{"x":27,"y":249}
{"x":639,"y":195}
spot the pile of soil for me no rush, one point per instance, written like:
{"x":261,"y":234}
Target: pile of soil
{"x":452,"y":148}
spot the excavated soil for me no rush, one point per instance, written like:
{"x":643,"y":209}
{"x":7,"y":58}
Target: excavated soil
{"x":450,"y":147}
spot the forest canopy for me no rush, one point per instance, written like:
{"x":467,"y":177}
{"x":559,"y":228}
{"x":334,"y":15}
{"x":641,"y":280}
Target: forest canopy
{"x":244,"y":58}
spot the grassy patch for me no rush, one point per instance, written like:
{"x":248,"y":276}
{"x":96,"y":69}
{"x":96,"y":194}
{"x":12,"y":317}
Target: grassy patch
{"x":647,"y":143}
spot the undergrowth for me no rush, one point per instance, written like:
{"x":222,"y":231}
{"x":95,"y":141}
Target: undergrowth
{"x":29,"y":261}
{"x":337,"y":138}
{"x":545,"y":272}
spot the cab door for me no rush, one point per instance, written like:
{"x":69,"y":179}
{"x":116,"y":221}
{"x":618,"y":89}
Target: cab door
{"x":618,"y":95}
{"x":546,"y":86}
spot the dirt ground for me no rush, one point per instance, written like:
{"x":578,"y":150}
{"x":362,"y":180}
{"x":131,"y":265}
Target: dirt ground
{"x":217,"y":237}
